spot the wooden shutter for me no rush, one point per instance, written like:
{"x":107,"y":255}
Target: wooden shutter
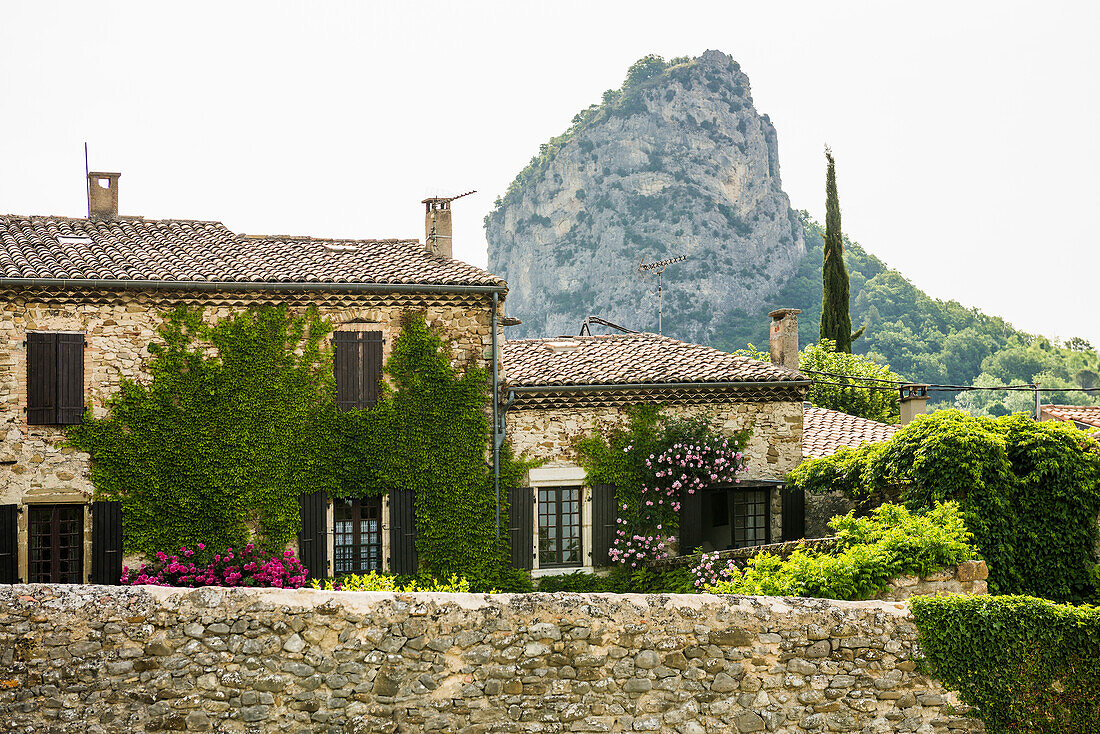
{"x":521,"y":523}
{"x":403,"y":558}
{"x":9,"y":544}
{"x":345,"y":365}
{"x":106,"y":542}
{"x":41,"y":379}
{"x":312,"y":538}
{"x":691,"y":522}
{"x":70,"y":379}
{"x":794,"y":513}
{"x":371,"y":345}
{"x":604,"y":515}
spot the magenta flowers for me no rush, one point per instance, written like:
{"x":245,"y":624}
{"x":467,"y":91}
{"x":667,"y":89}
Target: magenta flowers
{"x":249,"y":566}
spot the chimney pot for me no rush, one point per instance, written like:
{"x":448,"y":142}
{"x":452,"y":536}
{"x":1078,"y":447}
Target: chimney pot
{"x":784,"y":337}
{"x":437,"y":226}
{"x":103,"y":195}
{"x":914,"y":401}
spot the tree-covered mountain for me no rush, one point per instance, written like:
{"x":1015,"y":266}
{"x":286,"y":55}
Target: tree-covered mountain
{"x":678,"y":161}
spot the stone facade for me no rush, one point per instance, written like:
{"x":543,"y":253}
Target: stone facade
{"x":34,"y":465}
{"x":113,"y":660}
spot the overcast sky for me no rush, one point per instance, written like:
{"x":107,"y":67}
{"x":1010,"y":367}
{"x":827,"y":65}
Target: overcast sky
{"x":965,"y":132}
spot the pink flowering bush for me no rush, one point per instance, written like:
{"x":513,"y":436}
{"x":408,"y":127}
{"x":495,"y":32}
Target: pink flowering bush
{"x":684,"y":467}
{"x":710,"y":570}
{"x":249,"y":566}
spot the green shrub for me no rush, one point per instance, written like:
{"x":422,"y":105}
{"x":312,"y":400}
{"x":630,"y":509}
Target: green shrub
{"x":622,"y":581}
{"x":1026,"y":664}
{"x":579,"y":581}
{"x":871,"y":551}
{"x":375,"y":581}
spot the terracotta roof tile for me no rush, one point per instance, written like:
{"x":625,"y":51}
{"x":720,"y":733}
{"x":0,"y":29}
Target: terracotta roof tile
{"x":181,"y":250}
{"x":1087,"y":414}
{"x":625,"y":359}
{"x":825,"y":431}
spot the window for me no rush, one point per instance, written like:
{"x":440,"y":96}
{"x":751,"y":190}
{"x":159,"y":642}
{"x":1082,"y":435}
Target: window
{"x":357,"y":535}
{"x":55,"y":378}
{"x":357,"y":366}
{"x":559,"y":526}
{"x":750,"y":517}
{"x":56,"y":544}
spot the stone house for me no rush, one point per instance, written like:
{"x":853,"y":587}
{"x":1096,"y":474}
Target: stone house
{"x":83,"y":297}
{"x":1085,"y":417}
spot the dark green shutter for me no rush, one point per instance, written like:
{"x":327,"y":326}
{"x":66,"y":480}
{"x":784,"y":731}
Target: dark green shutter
{"x":604,"y":516}
{"x":106,"y":542}
{"x":691,"y":522}
{"x":70,"y":379}
{"x":41,"y":379}
{"x":357,"y":367}
{"x":403,"y":558}
{"x":521,"y":523}
{"x":9,"y":544}
{"x":371,"y":344}
{"x":794,"y":514}
{"x":313,"y":538}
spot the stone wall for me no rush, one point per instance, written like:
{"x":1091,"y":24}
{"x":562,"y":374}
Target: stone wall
{"x":104,"y":659}
{"x":119,"y":326}
{"x":965,"y":578}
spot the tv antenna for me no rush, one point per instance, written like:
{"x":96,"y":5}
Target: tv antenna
{"x":659,"y":268}
{"x":434,"y":204}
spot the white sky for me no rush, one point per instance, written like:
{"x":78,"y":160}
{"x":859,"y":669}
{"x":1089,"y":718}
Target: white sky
{"x":965,"y":132}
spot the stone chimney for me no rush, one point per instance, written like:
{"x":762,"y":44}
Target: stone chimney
{"x":914,"y":401}
{"x":437,"y":225}
{"x":102,"y":195}
{"x":784,"y":337}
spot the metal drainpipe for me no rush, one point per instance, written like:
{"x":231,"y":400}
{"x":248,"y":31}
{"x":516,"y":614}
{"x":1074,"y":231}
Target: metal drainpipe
{"x":496,"y":408}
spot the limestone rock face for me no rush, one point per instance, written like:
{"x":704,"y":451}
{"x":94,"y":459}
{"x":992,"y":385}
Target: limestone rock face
{"x":677,"y":162}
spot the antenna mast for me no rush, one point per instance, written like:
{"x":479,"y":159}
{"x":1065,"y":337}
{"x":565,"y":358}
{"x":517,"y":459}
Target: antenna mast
{"x":87,"y":181}
{"x":659,"y":268}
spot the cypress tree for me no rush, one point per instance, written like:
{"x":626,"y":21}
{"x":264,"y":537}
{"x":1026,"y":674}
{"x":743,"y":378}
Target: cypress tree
{"x":836,"y":324}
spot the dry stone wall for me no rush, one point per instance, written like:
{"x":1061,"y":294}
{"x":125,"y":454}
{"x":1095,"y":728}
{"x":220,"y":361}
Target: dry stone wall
{"x":105,"y":659}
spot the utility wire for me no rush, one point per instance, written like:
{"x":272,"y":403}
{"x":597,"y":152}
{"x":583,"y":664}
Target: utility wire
{"x":948,"y":388}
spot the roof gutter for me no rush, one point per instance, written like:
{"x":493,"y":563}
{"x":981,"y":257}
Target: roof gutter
{"x":520,"y":389}
{"x":229,"y":285}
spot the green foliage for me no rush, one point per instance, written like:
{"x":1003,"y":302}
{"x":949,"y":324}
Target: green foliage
{"x":239,"y":421}
{"x":836,"y":322}
{"x":872,"y":550}
{"x":1030,"y":492}
{"x":622,"y":581}
{"x":375,"y":581}
{"x":864,"y":397}
{"x":1026,"y":664}
{"x":225,"y":437}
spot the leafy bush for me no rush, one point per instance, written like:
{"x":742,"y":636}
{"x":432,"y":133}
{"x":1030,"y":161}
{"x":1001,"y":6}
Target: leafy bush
{"x":248,"y":567}
{"x":871,"y":551}
{"x":622,"y":581}
{"x":1030,"y":492}
{"x":375,"y":581}
{"x":579,"y":581}
{"x":879,"y":405}
{"x":1026,"y":664}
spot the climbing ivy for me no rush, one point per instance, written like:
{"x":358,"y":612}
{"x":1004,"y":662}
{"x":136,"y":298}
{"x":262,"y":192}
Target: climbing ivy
{"x":1030,"y":492}
{"x":239,"y":420}
{"x":1026,"y":664}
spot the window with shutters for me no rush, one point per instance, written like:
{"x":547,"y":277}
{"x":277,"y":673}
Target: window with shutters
{"x":55,"y":378}
{"x":750,"y":517}
{"x":559,"y":526}
{"x":357,"y":366}
{"x":56,"y":542}
{"x":357,"y":535}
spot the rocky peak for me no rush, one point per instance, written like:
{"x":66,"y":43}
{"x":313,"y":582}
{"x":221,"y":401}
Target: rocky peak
{"x":677,"y":161}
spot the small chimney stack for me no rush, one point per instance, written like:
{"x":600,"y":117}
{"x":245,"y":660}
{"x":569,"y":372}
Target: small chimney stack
{"x":437,"y":225}
{"x":103,"y":195}
{"x":784,"y":337}
{"x":914,"y":401}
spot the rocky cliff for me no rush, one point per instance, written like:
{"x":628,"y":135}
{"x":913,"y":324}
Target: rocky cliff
{"x":677,"y":161}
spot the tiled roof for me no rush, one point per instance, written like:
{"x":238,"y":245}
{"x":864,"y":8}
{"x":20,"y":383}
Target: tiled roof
{"x":626,"y":359}
{"x":180,"y":250}
{"x":824,"y":431}
{"x":1087,"y":414}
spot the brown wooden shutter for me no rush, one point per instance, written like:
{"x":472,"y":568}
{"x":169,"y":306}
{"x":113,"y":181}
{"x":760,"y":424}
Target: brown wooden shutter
{"x":313,"y":537}
{"x":691,"y":522}
{"x":521,"y":524}
{"x":41,"y":379}
{"x":403,"y":559}
{"x":70,"y":379}
{"x":9,"y":544}
{"x":106,"y":542}
{"x":604,"y":515}
{"x":345,"y":365}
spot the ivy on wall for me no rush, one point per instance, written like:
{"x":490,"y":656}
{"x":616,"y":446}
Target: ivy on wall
{"x":1026,"y":664}
{"x":239,"y":420}
{"x":1030,"y":492}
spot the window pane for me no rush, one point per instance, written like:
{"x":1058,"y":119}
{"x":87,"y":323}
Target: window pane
{"x":559,"y":526}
